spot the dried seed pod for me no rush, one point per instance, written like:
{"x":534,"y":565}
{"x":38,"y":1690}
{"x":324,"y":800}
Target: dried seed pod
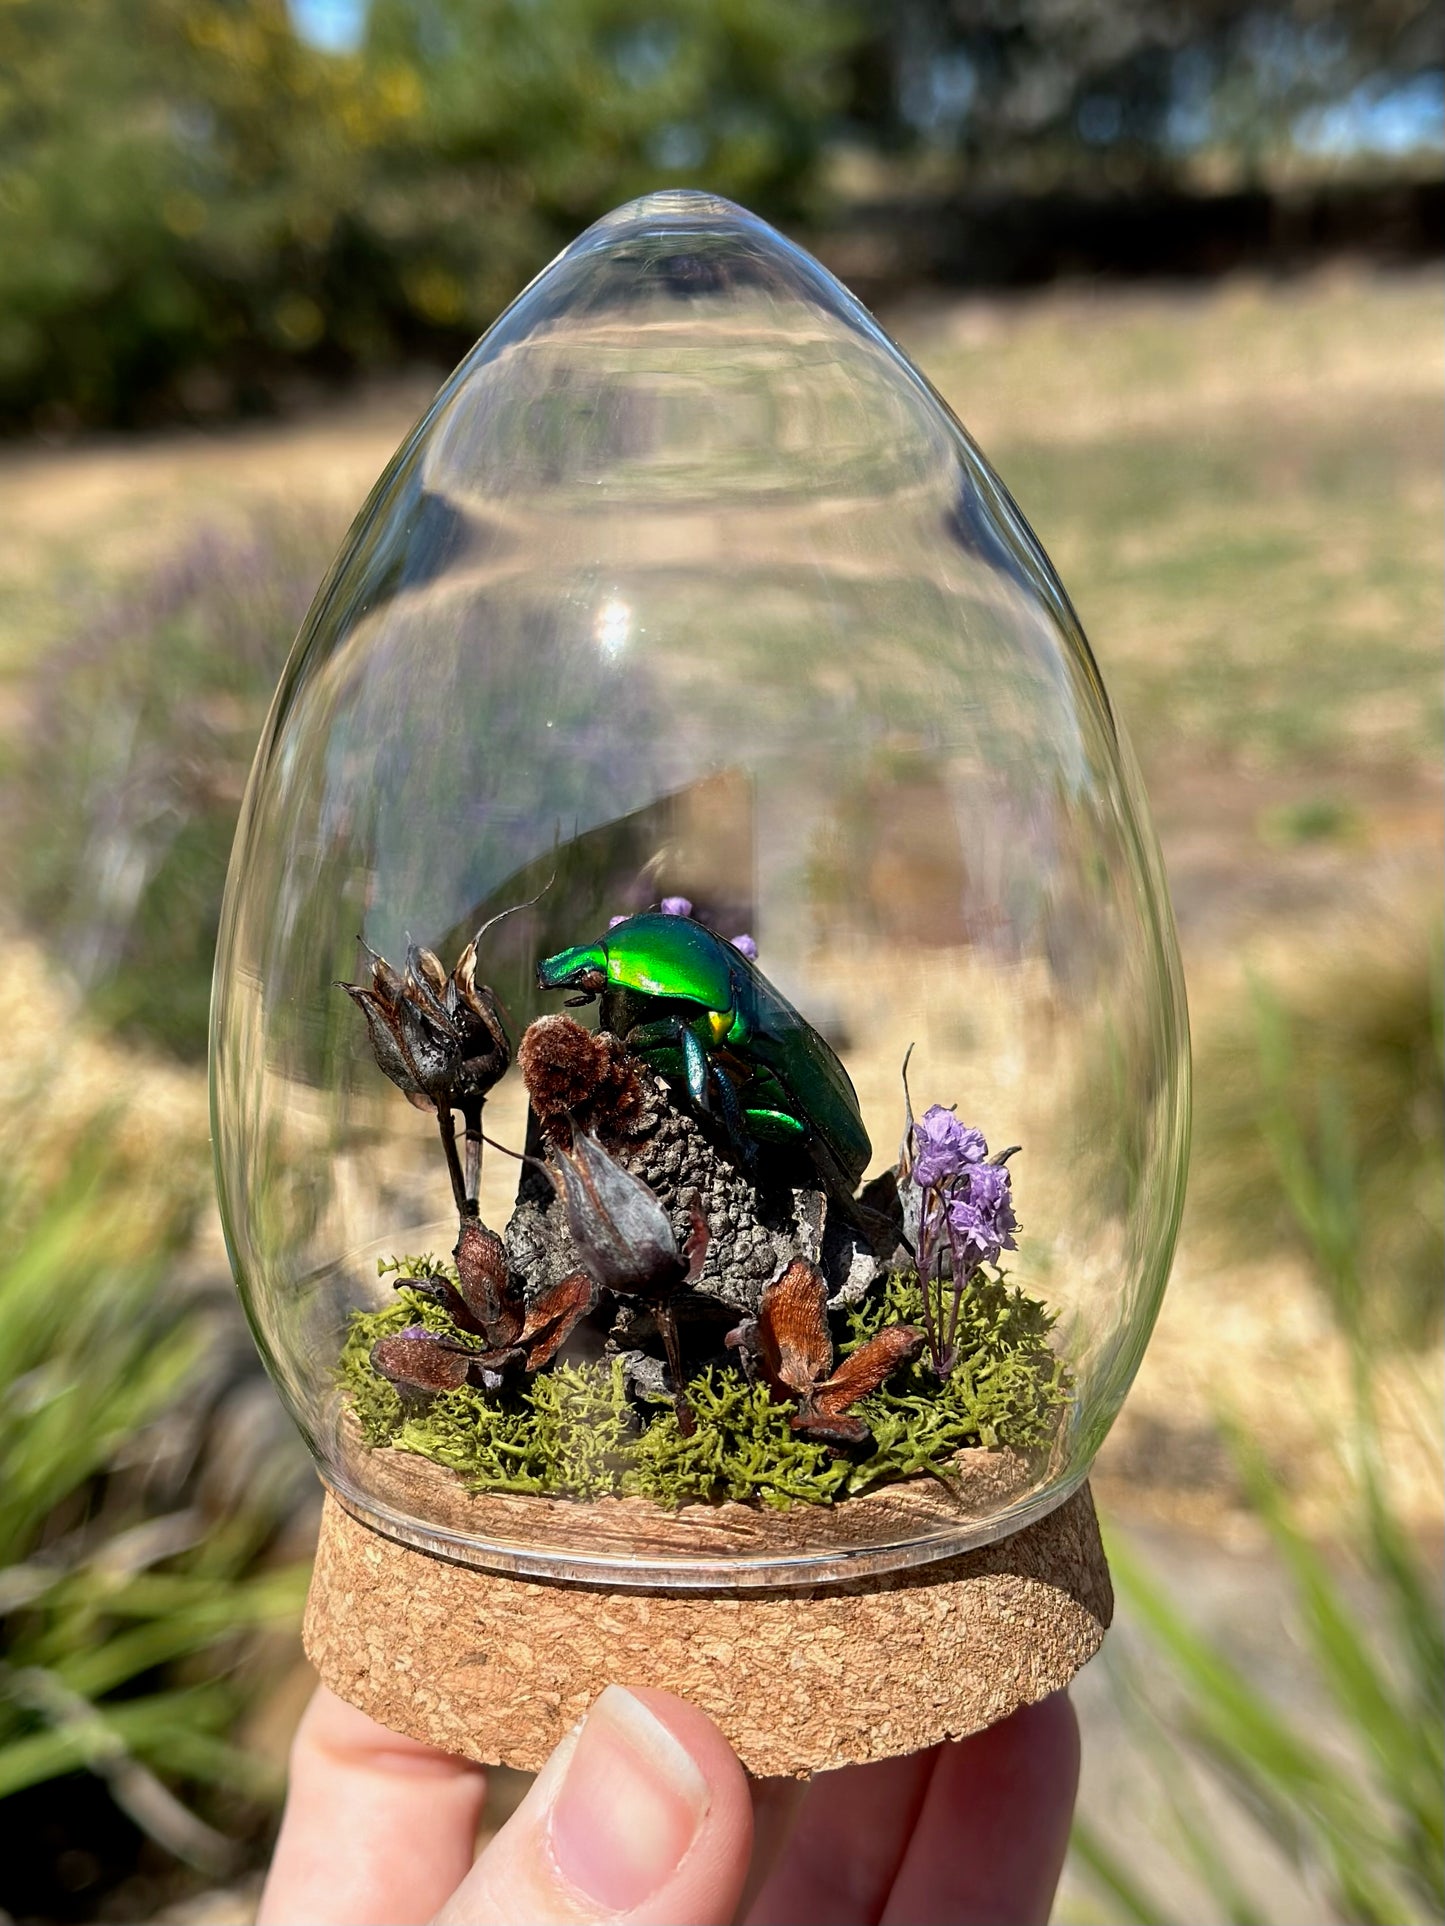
{"x":440,"y":1039}
{"x":619,"y":1228}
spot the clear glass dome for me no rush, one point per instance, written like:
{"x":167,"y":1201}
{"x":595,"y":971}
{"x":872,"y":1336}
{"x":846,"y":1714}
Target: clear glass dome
{"x":690,"y":595}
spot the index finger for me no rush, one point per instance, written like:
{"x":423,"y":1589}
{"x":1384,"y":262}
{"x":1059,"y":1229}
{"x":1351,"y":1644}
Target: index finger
{"x":378,"y":1830}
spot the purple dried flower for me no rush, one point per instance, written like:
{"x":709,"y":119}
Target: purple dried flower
{"x":990,"y":1188}
{"x":748,"y":947}
{"x":943,"y":1147}
{"x":613,"y":921}
{"x":981,"y":1219}
{"x":971,"y":1236}
{"x":676,"y":906}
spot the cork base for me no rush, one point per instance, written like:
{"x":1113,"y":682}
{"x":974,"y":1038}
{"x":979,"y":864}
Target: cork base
{"x":498,"y":1668}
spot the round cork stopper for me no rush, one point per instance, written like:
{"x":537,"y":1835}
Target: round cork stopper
{"x":498,"y":1668}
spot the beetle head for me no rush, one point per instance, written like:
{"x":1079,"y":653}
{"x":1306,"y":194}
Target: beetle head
{"x":583,"y":969}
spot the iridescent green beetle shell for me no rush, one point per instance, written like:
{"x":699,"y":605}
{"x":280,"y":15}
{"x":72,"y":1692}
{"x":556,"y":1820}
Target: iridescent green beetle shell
{"x":796,"y":1073}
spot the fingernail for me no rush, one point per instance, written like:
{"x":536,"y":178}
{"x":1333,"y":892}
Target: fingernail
{"x":629,"y":1806}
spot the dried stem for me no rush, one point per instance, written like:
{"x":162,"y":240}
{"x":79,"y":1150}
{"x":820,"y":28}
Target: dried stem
{"x":934,"y":1214}
{"x":472,"y":1179}
{"x":447,"y":1125}
{"x":666,"y":1319}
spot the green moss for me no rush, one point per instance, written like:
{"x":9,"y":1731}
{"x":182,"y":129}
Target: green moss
{"x":573,"y":1431}
{"x":742,"y":1448}
{"x":1007,"y":1387}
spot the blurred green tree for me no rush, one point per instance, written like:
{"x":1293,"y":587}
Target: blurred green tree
{"x":193,"y":198}
{"x":1058,"y":92}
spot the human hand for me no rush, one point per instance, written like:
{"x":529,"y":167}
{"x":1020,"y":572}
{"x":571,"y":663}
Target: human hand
{"x":644,"y":1814}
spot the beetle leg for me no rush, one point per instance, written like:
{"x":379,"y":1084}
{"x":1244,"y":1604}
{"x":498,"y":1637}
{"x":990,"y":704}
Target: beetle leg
{"x":776,"y":1125}
{"x":705,"y":1080}
{"x":695,"y":1059}
{"x":671,"y":1033}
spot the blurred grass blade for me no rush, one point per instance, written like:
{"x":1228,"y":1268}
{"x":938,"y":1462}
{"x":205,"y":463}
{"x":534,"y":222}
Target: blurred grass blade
{"x":1309,"y":1803}
{"x":94,"y":1742}
{"x":1136,"y":1907}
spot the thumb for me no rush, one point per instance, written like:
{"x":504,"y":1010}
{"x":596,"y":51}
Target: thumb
{"x":641,"y":1814}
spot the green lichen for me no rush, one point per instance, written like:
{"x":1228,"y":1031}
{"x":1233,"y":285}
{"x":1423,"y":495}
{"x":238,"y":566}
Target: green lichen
{"x":1007,"y":1387}
{"x":572,"y":1431}
{"x":742,"y":1448}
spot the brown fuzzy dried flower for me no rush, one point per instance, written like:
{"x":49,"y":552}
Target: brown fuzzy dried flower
{"x":574,"y":1077}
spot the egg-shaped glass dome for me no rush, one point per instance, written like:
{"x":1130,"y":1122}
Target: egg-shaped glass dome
{"x":699,"y":1055}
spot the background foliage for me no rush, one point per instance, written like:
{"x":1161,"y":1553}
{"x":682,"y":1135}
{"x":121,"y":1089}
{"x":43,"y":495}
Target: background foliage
{"x":205,"y":212}
{"x":198,"y":202}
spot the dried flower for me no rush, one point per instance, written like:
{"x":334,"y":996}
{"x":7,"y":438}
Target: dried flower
{"x":748,"y":947}
{"x":624,"y":1240}
{"x":440,"y":1038}
{"x":443,"y":1042}
{"x":487,"y":1302}
{"x":576,"y":1077}
{"x":795,"y":1351}
{"x":981,"y":1219}
{"x":675,"y":906}
{"x":943,"y":1147}
{"x":423,"y":1361}
{"x":959,"y":1210}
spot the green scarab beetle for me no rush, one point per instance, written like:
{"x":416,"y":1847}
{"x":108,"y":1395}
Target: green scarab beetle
{"x":697,"y":1009}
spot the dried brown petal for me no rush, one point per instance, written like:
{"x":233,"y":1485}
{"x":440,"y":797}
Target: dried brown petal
{"x":830,"y":1427}
{"x":795,"y":1347}
{"x":425,"y":966}
{"x":866,"y":1368}
{"x":553,"y":1317}
{"x":418,"y":1360}
{"x":442,"y":1291}
{"x":486,"y":1286}
{"x":795,"y":1351}
{"x":386,"y":1042}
